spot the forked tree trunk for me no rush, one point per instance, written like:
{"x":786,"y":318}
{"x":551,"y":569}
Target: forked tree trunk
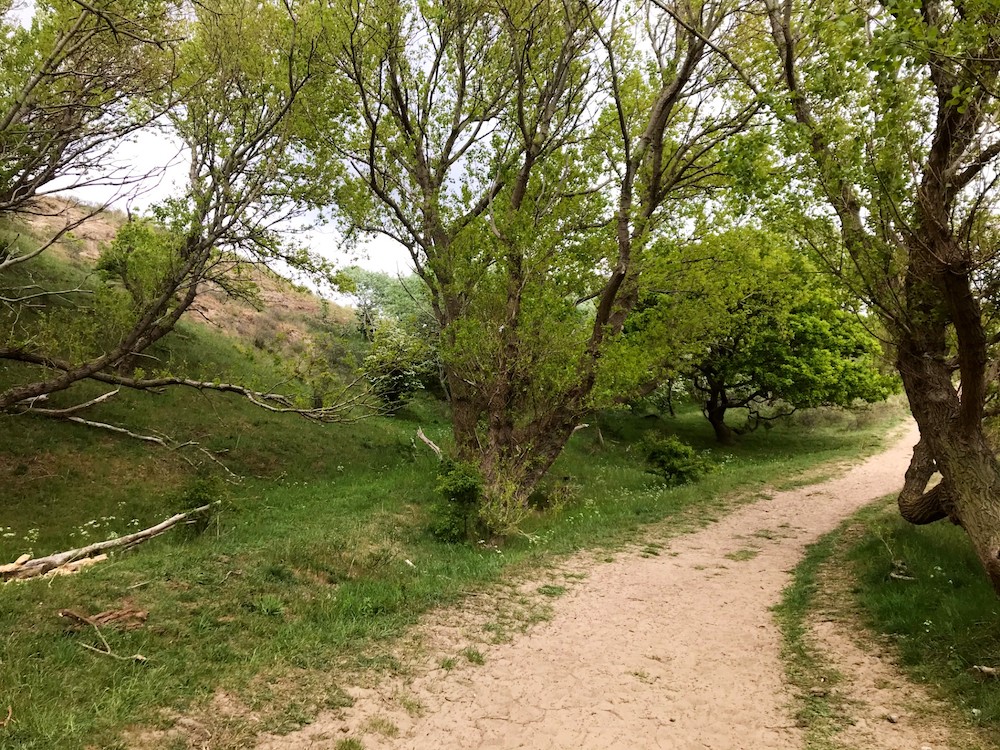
{"x":511,"y":474}
{"x":512,"y":459}
{"x":715,"y":409}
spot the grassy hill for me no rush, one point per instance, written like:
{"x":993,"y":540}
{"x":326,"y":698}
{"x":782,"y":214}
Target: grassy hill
{"x":318,"y":556}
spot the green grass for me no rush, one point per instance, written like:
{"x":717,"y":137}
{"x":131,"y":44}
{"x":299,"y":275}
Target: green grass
{"x":474,"y":656}
{"x":316,"y":561}
{"x":942,"y":623}
{"x":551,"y":590}
{"x":819,"y":711}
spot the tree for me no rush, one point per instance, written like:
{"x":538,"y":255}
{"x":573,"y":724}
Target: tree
{"x":379,"y":296}
{"x":396,"y":318}
{"x":780,"y":339}
{"x":893,"y":108}
{"x":398,"y":364}
{"x":74,"y":84}
{"x":524,"y":154}
{"x":243,"y":67}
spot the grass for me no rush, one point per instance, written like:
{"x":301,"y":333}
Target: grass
{"x":940,"y":624}
{"x":551,"y":590}
{"x":381,"y":725}
{"x":316,"y":561}
{"x":820,"y":711}
{"x":944,"y":622}
{"x":474,"y":656}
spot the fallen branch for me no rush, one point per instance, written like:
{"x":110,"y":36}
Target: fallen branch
{"x":986,"y":671}
{"x":430,"y":443}
{"x":67,"y":415}
{"x":9,"y":719}
{"x":351,"y":404}
{"x":106,"y":651}
{"x":119,"y":430}
{"x":70,"y":409}
{"x":27,"y":567}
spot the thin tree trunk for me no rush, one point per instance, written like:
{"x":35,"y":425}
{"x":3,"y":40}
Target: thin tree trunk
{"x":723,"y":432}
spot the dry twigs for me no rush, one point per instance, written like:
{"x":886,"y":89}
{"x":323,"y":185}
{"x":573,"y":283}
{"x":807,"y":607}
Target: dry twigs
{"x":106,"y":651}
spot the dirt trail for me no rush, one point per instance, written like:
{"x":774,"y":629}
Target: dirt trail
{"x":677,"y":650}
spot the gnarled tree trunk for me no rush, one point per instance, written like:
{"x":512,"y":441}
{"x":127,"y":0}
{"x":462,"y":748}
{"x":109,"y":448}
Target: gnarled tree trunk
{"x":969,"y":490}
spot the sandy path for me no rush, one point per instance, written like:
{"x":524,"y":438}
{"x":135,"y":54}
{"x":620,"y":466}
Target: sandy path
{"x":677,"y":650}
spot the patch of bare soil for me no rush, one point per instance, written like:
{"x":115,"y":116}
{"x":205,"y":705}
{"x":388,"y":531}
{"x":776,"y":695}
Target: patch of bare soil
{"x":83,"y":243}
{"x":675,"y":648}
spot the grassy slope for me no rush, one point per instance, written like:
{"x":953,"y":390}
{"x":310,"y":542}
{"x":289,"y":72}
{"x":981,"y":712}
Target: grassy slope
{"x":304,"y":571}
{"x":940,"y":624}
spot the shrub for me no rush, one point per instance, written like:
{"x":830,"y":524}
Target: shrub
{"x":203,"y":489}
{"x":460,"y":487}
{"x":397,"y":365}
{"x":674,"y":460}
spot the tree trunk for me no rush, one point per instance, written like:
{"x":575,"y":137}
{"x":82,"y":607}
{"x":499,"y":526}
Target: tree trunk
{"x":715,"y":411}
{"x":723,"y":432}
{"x":969,"y":468}
{"x":465,"y":414}
{"x":511,"y":472}
{"x":969,"y":492}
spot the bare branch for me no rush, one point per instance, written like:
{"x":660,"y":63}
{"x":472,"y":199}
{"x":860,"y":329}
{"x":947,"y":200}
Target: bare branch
{"x":27,"y":567}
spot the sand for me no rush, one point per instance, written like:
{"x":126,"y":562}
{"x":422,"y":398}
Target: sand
{"x":674,"y":650}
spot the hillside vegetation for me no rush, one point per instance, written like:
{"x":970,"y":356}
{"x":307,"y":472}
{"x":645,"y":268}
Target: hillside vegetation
{"x":319,"y":554}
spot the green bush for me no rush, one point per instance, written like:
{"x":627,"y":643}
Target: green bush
{"x":674,"y":460}
{"x":455,"y":515}
{"x":397,"y":365}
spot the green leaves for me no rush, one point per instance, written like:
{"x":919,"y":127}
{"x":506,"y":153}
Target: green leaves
{"x":141,"y":258}
{"x":763,"y":325}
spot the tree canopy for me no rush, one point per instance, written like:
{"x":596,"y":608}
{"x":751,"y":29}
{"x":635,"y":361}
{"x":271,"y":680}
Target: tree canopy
{"x":596,"y":195}
{"x":775,"y":333}
{"x":892,"y":114}
{"x":525,"y":154}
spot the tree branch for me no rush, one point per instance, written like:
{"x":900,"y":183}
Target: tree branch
{"x":27,"y":567}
